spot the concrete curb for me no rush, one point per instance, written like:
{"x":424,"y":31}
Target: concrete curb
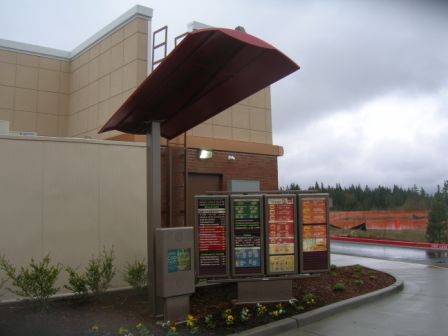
{"x":301,"y":320}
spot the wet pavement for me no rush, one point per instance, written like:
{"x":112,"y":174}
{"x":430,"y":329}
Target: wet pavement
{"x":414,"y":255}
{"x":419,"y":310}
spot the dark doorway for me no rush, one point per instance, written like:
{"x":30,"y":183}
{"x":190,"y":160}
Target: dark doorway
{"x":199,"y":184}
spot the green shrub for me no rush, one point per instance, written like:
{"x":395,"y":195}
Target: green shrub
{"x":357,"y":268}
{"x":143,"y":330}
{"x":77,"y":283}
{"x":296,"y":305}
{"x":339,"y":287}
{"x":358,"y":282}
{"x":209,"y":321}
{"x":372,"y":277}
{"x":356,"y":276}
{"x":97,"y":276}
{"x":2,"y":281}
{"x":136,"y":274}
{"x":35,"y":281}
{"x":333,"y":267}
{"x":309,"y":299}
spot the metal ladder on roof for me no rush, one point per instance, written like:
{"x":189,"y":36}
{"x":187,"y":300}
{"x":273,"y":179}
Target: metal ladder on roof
{"x":162,"y":33}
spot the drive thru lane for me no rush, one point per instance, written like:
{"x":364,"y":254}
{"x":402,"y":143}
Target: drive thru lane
{"x":419,"y":310}
{"x":415,"y":255}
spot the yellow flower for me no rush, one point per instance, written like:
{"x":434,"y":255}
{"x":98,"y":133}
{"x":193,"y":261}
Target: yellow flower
{"x":95,"y":328}
{"x":275,"y":313}
{"x":139,"y":326}
{"x":173,"y":329}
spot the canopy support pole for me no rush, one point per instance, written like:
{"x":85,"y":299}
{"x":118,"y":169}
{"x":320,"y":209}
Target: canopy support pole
{"x":153,"y":190}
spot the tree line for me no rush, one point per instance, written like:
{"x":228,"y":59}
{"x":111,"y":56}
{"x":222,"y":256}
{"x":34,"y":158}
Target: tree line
{"x":357,"y":198}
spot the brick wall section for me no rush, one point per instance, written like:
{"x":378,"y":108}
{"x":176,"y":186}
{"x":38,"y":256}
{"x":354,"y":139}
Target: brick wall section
{"x":245,"y":167}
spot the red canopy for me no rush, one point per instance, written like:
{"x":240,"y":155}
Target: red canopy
{"x":209,"y":71}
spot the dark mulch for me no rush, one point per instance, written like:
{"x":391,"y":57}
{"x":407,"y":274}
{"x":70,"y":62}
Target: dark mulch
{"x":126,"y":309}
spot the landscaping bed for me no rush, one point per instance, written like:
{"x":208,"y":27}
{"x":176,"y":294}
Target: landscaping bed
{"x":126,"y":312}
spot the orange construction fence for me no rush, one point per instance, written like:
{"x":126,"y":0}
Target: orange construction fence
{"x":381,"y":220}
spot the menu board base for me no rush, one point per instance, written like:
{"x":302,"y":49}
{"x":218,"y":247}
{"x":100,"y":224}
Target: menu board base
{"x":315,"y":261}
{"x":264,"y":291}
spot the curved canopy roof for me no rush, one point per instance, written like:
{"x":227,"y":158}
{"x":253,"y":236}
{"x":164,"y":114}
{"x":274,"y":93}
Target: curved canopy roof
{"x":209,"y":71}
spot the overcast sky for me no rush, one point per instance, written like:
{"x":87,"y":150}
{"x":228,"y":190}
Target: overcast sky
{"x":369,"y":104}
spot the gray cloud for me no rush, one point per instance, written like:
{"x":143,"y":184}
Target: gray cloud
{"x":354,"y":51}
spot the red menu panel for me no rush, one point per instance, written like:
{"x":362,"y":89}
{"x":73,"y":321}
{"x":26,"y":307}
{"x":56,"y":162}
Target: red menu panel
{"x":280,"y":234}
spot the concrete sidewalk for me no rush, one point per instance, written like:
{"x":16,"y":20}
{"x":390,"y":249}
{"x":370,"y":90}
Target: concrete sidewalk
{"x":420,"y":309}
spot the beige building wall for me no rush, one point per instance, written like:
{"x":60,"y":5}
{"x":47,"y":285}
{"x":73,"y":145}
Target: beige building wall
{"x":250,"y":120}
{"x":33,"y":92}
{"x":75,"y":96}
{"x":103,"y":76}
{"x":70,"y":198}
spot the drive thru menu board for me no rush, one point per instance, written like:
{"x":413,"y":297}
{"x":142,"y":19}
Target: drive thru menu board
{"x":211,"y":236}
{"x":281,"y":234}
{"x":247,"y":235}
{"x":314,"y":232}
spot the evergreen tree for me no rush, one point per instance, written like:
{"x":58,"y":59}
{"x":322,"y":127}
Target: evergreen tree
{"x":437,"y":220}
{"x":355,"y":197}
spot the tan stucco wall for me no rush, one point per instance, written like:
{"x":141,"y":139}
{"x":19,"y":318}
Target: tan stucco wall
{"x":75,"y":97}
{"x":250,"y":121}
{"x":70,"y":198}
{"x":33,"y":92}
{"x":104,"y":76}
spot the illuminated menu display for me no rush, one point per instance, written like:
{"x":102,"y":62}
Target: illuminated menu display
{"x":247,"y":228}
{"x":212,"y":236}
{"x":314,"y":238}
{"x":314,"y":234}
{"x":281,"y":234}
{"x":314,"y":211}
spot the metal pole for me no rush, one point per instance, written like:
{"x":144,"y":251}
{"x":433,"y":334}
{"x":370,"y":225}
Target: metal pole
{"x":153,"y":191}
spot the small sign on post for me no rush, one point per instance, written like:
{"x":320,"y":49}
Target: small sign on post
{"x":175,"y":275}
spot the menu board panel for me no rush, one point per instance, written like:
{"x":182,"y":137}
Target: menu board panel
{"x":314,"y":211}
{"x":314,"y":238}
{"x":281,"y":263}
{"x":247,"y":238}
{"x":211,"y":233}
{"x":314,"y":251}
{"x":281,"y":234}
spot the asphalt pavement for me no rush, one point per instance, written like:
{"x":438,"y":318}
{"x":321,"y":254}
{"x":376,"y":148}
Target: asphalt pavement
{"x":421,"y":309}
